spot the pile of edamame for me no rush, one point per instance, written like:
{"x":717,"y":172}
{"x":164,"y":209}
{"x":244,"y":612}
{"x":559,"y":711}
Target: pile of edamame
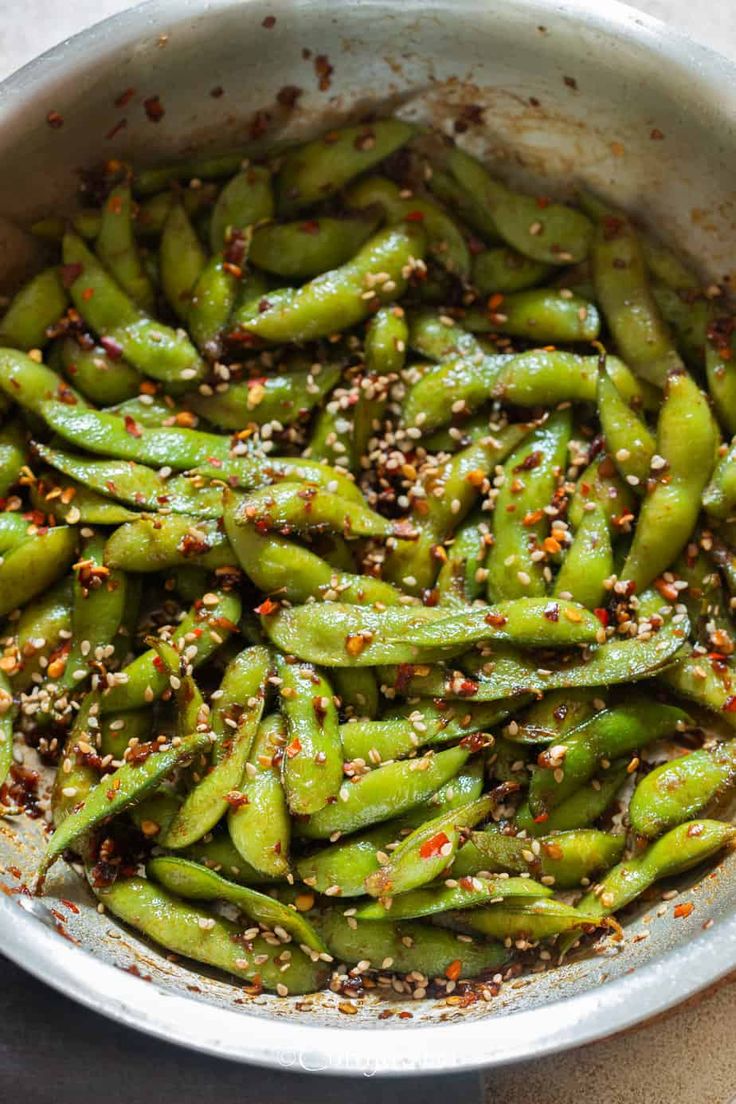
{"x":367,"y":562}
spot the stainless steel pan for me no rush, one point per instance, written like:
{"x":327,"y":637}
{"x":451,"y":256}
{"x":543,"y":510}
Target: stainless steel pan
{"x":568,"y":91}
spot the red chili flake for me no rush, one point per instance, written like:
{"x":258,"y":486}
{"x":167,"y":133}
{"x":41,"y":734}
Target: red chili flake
{"x":414,"y":216}
{"x":431,"y":848}
{"x":310,"y":226}
{"x":266,"y":607}
{"x":124,"y":97}
{"x":288,"y":96}
{"x":121,"y":124}
{"x":154,"y":109}
{"x":476,"y":246}
{"x":684,"y":909}
{"x":495,"y":619}
{"x":263,"y":306}
{"x":232,"y":269}
{"x":532,"y":517}
{"x":324,"y":71}
{"x":158,"y":663}
{"x":293,"y":748}
{"x":551,"y":612}
{"x":236,"y":799}
{"x":69,"y":273}
{"x":452,"y":972}
{"x":467,"y":688}
{"x":531,"y":461}
{"x":729,"y":706}
{"x":571,"y":83}
{"x":541,"y":818}
{"x":269,"y":22}
{"x":88,"y":293}
{"x":55,"y":120}
{"x":612,"y":226}
{"x":656,"y":134}
{"x":234,"y":252}
{"x":112,"y":347}
{"x":602,"y":616}
{"x":132,"y":427}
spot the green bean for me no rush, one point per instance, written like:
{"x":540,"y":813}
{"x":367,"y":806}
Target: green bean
{"x":40,"y":627}
{"x":628,"y":438}
{"x":148,"y":345}
{"x":246,"y":199}
{"x":719,"y":350}
{"x":530,"y":479}
{"x":553,"y":234}
{"x":579,"y":810}
{"x":719,"y":497}
{"x":677,"y":851}
{"x":243,"y":690}
{"x":399,"y":737}
{"x":304,"y":249}
{"x":99,"y":377}
{"x":194,"y":882}
{"x":259,"y":825}
{"x":588,"y":562}
{"x":312,"y":763}
{"x":384,"y":793}
{"x":622,"y":289}
{"x":427,"y":851}
{"x":137,"y":776}
{"x":467,"y":893}
{"x":316,"y":170}
{"x":296,"y":507}
{"x":182,"y":259}
{"x":32,"y":566}
{"x":340,"y":298}
{"x":116,"y":247}
{"x":679,"y":789}
{"x":31,"y":384}
{"x":686,"y":442}
{"x":539,"y":314}
{"x":97,"y":613}
{"x":563,"y":859}
{"x":563,"y":768}
{"x":199,"y":935}
{"x":522,"y":920}
{"x":286,"y":570}
{"x":204,"y":629}
{"x":33,"y":311}
{"x":160,"y":542}
{"x":406,"y":947}
{"x":13,"y":455}
{"x":445,"y":241}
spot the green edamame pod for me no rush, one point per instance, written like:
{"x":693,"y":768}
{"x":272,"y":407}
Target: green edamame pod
{"x":385,"y":793}
{"x":553,"y":234}
{"x":100,"y":378}
{"x":609,"y":734}
{"x":259,"y":826}
{"x":303,"y":250}
{"x":427,"y":851}
{"x":516,"y":919}
{"x":246,"y":199}
{"x":719,"y":497}
{"x":31,"y":384}
{"x":629,"y":440}
{"x":301,"y":508}
{"x":622,"y":289}
{"x":212,"y":301}
{"x":34,"y":565}
{"x":358,"y":692}
{"x":539,"y":314}
{"x":587,"y":563}
{"x":198,"y":934}
{"x":316,"y":170}
{"x":686,"y":441}
{"x":7,"y":716}
{"x":202,"y":631}
{"x":146,"y":344}
{"x":677,"y":851}
{"x":686,"y":313}
{"x":77,"y":775}
{"x":40,"y":628}
{"x":399,"y":737}
{"x":679,"y":789}
{"x":347,"y":863}
{"x":579,"y":810}
{"x":710,"y":684}
{"x":116,"y":247}
{"x":147,"y":181}
{"x":564,"y":859}
{"x":243,"y":691}
{"x":719,"y":349}
{"x":182,"y":260}
{"x":406,"y":947}
{"x":471,"y":892}
{"x":13,"y":455}
{"x":338,"y":299}
{"x":530,"y":478}
{"x":34,"y":310}
{"x":503,"y":270}
{"x":97,"y":613}
{"x":194,"y":882}
{"x":470,"y":207}
{"x":160,"y":542}
{"x":553,"y":716}
{"x":312,"y":763}
{"x":217,"y":852}
{"x":72,"y":503}
{"x":600,"y":485}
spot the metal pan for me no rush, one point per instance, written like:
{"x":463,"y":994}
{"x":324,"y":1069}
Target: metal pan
{"x":565,"y":91}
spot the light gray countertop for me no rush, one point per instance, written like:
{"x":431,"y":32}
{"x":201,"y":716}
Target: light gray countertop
{"x":53,"y":1050}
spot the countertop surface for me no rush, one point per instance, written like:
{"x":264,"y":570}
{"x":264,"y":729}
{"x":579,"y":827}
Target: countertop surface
{"x":53,"y":1050}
